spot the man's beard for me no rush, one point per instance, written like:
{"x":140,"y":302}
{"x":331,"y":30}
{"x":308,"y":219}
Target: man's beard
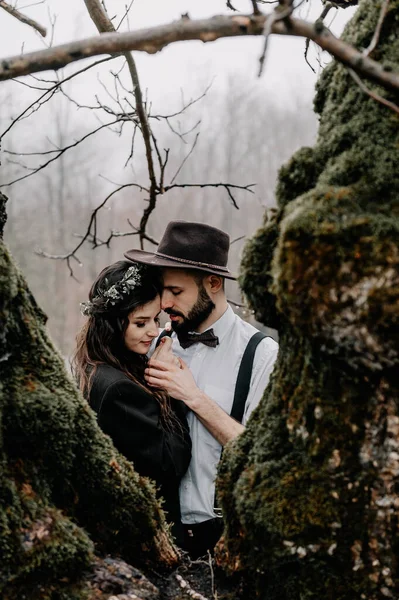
{"x":197,"y":315}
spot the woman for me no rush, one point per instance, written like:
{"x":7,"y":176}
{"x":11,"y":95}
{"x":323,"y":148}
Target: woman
{"x":147,"y":426}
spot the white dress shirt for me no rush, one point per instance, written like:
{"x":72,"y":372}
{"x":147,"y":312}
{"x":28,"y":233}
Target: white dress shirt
{"x":215,"y":371}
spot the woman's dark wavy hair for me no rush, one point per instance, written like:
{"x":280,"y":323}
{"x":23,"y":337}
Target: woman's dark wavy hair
{"x":101,"y":339}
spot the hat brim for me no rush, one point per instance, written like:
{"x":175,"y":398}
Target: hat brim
{"x":150,"y":258}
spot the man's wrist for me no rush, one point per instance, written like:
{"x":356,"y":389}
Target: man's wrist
{"x":197,"y":400}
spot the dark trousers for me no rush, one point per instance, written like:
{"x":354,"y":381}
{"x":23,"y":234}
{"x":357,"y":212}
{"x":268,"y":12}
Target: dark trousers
{"x":201,"y":537}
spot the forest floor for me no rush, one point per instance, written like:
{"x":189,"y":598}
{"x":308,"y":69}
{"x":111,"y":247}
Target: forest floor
{"x":113,"y":579}
{"x":200,"y":580}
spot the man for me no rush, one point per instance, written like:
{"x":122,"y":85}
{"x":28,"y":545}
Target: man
{"x":210,"y":341}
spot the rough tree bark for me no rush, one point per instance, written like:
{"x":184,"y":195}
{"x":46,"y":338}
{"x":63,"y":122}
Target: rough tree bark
{"x":310,"y":490}
{"x":63,"y":485}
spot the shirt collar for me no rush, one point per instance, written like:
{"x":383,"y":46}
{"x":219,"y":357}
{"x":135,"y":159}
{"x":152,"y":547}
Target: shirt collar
{"x":223,"y":324}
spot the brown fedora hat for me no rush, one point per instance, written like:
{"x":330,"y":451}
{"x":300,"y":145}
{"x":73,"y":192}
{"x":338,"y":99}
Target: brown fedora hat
{"x":188,"y":245}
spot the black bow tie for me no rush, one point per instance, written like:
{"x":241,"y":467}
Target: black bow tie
{"x":208,"y":338}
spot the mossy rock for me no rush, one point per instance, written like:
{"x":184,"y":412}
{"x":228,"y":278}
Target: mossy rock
{"x":310,"y":488}
{"x":336,"y":277}
{"x":65,"y":492}
{"x":256,"y":277}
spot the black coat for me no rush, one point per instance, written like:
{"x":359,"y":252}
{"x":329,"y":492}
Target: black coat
{"x":131,"y":417}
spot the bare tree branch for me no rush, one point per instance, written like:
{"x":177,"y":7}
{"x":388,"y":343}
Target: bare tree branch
{"x":58,"y":153}
{"x":282,"y":12}
{"x":323,"y":15}
{"x":91,"y":232}
{"x":126,"y":14}
{"x":23,"y":18}
{"x":372,"y":94}
{"x":237,"y":239}
{"x":207,"y":30}
{"x":376,"y":36}
{"x":104,"y":24}
{"x":185,"y":158}
{"x":185,"y":105}
{"x":48,"y":94}
{"x":227,"y":186}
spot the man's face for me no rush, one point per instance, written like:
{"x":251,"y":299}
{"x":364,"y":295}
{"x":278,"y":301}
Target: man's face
{"x":186,"y":301}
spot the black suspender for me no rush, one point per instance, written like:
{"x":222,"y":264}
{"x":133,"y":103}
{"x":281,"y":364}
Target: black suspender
{"x":241,"y":390}
{"x":244,"y":377}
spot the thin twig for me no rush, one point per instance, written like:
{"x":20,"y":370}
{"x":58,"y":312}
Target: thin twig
{"x":277,"y":15}
{"x":127,"y":10}
{"x":146,"y":236}
{"x":238,"y":239}
{"x":23,"y":18}
{"x":307,"y":44}
{"x":323,"y":15}
{"x":377,"y":32}
{"x":213,"y":589}
{"x":51,"y":91}
{"x":227,"y":186}
{"x":185,"y":106}
{"x":31,"y":4}
{"x":184,"y":159}
{"x":91,"y":232}
{"x":372,"y":94}
{"x":59,"y":153}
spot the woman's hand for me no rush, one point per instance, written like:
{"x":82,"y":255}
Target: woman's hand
{"x":175,"y":378}
{"x":164,"y":353}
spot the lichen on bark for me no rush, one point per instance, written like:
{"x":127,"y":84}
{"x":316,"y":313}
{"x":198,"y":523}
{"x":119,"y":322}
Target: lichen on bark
{"x":310,"y":490}
{"x":66,"y":494}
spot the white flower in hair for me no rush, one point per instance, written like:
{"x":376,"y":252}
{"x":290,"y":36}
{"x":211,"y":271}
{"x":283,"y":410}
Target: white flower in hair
{"x":86,"y":308}
{"x":112,"y":295}
{"x":129,"y":281}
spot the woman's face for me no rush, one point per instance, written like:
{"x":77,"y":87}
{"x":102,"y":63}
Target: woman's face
{"x":143,"y":327}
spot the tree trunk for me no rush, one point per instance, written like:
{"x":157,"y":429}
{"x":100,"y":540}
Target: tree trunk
{"x":65,"y":492}
{"x":310,"y":490}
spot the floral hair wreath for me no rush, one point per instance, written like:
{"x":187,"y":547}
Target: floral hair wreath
{"x":115,"y":293}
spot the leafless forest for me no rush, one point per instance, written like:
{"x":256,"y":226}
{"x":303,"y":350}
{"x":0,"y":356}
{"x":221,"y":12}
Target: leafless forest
{"x":209,"y":138}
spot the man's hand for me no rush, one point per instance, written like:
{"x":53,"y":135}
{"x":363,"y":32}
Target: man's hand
{"x":172,"y":375}
{"x":180,"y":384}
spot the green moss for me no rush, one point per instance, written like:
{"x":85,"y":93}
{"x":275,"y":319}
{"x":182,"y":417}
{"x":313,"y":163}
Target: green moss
{"x":336,"y":276}
{"x":255,"y":276}
{"x":65,"y":492}
{"x":297,"y":177}
{"x":309,"y":488}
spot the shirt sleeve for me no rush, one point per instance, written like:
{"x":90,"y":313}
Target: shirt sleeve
{"x":131,"y":417}
{"x":265,"y":357}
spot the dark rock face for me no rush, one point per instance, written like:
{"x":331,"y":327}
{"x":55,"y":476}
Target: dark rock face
{"x":311,"y":489}
{"x":113,"y":578}
{"x":65,"y":492}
